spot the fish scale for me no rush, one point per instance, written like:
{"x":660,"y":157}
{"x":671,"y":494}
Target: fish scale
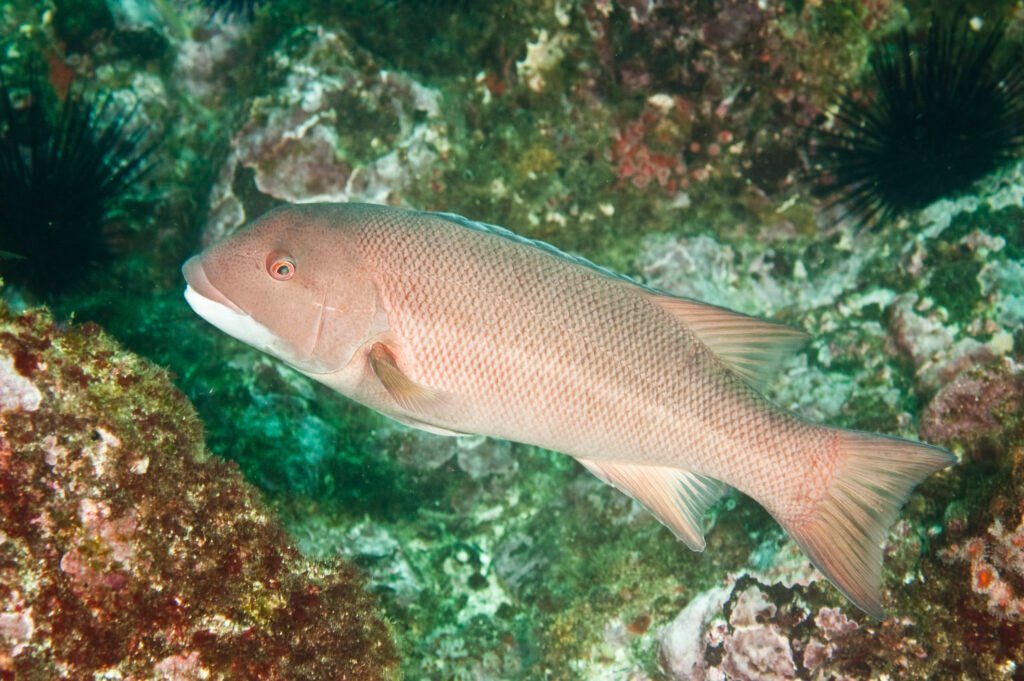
{"x":461,"y":327}
{"x":458,"y":363}
{"x":575,"y":322}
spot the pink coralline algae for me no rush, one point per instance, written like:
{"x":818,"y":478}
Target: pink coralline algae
{"x":919,"y":332}
{"x":833,"y":626}
{"x":750,"y":630}
{"x":16,"y":392}
{"x":732,"y":88}
{"x":980,"y":402}
{"x":127,"y":552}
{"x":335,"y":130}
{"x":755,"y":648}
{"x":753,"y":644}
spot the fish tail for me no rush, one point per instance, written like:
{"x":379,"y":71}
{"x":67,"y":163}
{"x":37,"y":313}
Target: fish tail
{"x":844,"y":532}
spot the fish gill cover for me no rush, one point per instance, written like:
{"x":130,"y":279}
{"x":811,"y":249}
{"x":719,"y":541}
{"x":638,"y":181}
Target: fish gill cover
{"x":666,"y":140}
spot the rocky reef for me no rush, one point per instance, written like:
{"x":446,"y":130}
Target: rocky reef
{"x":128,"y":552}
{"x":669,"y":140}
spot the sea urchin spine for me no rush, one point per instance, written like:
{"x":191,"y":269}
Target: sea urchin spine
{"x":938,"y":116}
{"x":60,"y":172}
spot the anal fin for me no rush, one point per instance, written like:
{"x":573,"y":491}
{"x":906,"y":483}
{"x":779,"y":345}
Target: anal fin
{"x":676,"y":497}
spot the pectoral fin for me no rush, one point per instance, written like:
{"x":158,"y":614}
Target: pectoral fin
{"x":678,"y":498}
{"x":410,"y":395}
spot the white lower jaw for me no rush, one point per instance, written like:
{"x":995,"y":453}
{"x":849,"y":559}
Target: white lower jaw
{"x":236,"y":324}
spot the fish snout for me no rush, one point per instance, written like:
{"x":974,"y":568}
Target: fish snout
{"x":195,"y":277}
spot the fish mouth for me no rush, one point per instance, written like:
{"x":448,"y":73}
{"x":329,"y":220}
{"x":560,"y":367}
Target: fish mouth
{"x":209,"y":303}
{"x":199,"y":283}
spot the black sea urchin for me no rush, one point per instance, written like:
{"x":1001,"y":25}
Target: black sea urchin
{"x":937,"y":115}
{"x":229,"y":9}
{"x":61,"y":168}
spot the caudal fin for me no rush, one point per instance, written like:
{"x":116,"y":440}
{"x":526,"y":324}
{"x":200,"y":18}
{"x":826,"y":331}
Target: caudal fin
{"x":843,"y":536}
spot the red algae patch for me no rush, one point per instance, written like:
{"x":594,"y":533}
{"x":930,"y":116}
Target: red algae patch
{"x":126,"y":551}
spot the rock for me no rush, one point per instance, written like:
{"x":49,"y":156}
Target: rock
{"x":126,"y":551}
{"x":334,"y":131}
{"x":981,"y":402}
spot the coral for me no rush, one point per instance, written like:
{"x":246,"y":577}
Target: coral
{"x":61,"y":171}
{"x":127,"y":551}
{"x":478,"y":456}
{"x":637,"y":163}
{"x":879,"y":343}
{"x":699,"y":267}
{"x":726,"y":88}
{"x":660,"y":138}
{"x":369,"y":546}
{"x":918,"y":330}
{"x":203,"y":63}
{"x":543,"y":56}
{"x":996,"y":568}
{"x":942,"y":112}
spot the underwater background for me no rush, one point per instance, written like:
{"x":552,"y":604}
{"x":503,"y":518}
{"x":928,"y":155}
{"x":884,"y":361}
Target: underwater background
{"x":176,"y":505}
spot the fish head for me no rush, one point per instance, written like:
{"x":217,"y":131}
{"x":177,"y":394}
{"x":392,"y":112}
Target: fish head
{"x":291,"y":284}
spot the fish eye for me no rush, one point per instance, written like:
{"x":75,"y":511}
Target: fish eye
{"x":280,"y":266}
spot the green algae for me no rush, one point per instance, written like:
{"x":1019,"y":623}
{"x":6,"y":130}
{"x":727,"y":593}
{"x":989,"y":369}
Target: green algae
{"x":1006,"y":224}
{"x":78,"y":22}
{"x":953,"y":284}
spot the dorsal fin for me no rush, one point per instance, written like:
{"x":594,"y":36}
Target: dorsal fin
{"x":750,"y":346}
{"x":542,"y":246}
{"x":676,"y":497}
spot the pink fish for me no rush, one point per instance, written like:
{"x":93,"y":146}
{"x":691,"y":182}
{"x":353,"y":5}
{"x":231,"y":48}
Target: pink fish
{"x":458,"y":327}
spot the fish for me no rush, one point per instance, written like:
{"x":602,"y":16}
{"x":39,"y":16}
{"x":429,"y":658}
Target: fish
{"x":458,"y":327}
